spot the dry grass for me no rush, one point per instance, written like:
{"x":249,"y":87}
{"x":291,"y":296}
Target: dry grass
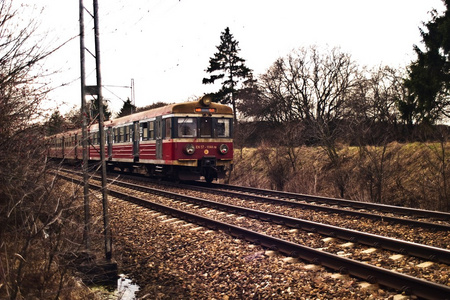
{"x":413,"y":175}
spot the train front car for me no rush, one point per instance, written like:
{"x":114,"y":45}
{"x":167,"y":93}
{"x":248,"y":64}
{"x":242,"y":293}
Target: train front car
{"x":197,"y":139}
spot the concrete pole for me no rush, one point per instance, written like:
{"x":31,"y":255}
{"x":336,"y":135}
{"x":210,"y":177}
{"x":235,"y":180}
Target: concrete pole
{"x":107,"y":229}
{"x":84,"y":137}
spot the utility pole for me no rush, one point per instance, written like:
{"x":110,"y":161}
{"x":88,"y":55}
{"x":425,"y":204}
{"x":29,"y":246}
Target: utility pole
{"x":84,"y":137}
{"x":94,"y":270}
{"x":95,"y":91}
{"x":107,"y":229}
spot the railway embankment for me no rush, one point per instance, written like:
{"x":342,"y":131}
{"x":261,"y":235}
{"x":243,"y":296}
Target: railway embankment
{"x":414,"y":175}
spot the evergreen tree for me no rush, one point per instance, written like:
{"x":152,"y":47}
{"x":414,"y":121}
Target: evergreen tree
{"x":226,"y":65}
{"x":127,"y":109}
{"x":95,"y":112}
{"x":55,"y":123}
{"x":428,"y":82}
{"x":74,"y":118}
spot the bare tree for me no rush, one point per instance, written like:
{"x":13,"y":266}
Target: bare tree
{"x":372,"y":125}
{"x":310,"y":88}
{"x":372,"y":112}
{"x":32,"y":211}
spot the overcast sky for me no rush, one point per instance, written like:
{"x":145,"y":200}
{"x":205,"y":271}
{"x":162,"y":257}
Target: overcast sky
{"x":165,"y":45}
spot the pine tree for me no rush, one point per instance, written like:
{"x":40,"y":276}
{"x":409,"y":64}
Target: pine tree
{"x":127,"y":109}
{"x":55,"y":123}
{"x":226,"y":65}
{"x":428,"y":83}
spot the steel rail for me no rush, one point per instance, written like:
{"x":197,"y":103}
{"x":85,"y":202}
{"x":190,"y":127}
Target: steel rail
{"x":422,"y":224}
{"x":387,"y":243}
{"x":404,"y":247}
{"x":335,"y":201}
{"x":372,"y":274}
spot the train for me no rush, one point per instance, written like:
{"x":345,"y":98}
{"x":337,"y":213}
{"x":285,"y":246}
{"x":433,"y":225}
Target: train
{"x":184,"y":141}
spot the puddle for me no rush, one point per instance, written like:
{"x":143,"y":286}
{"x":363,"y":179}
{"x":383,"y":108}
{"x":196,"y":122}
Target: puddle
{"x":126,"y":289}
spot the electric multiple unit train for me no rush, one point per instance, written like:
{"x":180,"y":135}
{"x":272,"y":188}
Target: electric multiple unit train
{"x":184,"y":141}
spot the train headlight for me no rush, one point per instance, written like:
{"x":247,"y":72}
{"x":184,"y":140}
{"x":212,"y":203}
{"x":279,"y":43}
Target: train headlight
{"x":189,"y":149}
{"x":223,"y":149}
{"x":206,"y":100}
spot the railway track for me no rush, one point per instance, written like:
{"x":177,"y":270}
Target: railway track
{"x":285,"y":237}
{"x":417,"y":231}
{"x":401,"y":215}
{"x":342,"y":203}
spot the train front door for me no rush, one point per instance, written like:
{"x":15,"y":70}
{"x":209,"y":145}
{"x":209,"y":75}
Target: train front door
{"x":159,"y":139}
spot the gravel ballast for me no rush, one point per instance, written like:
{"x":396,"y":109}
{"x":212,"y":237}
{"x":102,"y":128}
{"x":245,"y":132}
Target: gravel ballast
{"x":172,"y":259}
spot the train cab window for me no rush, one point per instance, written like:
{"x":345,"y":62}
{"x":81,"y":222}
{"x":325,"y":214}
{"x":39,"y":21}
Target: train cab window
{"x":205,"y":127}
{"x":187,"y":127}
{"x":168,"y":132}
{"x":222,"y":128}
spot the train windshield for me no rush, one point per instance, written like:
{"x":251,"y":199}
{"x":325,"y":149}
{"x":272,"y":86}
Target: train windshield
{"x":204,"y":127}
{"x":222,"y":128}
{"x":187,"y":127}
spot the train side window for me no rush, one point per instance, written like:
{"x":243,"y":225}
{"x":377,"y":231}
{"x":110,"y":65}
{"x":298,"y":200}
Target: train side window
{"x":205,"y":127}
{"x":121,"y":134}
{"x":151,"y":130}
{"x":115,"y":135}
{"x":130,"y":133}
{"x":168,"y":131}
{"x":222,"y":128}
{"x":125,"y":134}
{"x":187,"y":127}
{"x":144,"y":131}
